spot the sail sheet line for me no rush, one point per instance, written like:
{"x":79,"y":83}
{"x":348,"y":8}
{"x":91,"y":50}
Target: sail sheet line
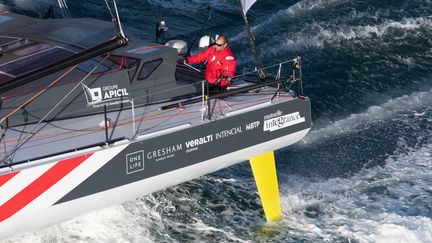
{"x":23,"y":140}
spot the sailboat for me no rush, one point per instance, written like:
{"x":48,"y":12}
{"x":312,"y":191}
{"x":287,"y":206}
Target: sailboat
{"x":92,"y":116}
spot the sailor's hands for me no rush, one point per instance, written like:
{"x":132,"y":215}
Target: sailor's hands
{"x":228,"y":81}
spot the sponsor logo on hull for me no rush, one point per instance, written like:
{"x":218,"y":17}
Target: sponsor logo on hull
{"x":134,"y":162}
{"x":179,"y":149}
{"x":276,"y":121}
{"x":105,"y":95}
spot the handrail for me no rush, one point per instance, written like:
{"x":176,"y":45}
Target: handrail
{"x":225,"y":94}
{"x":265,"y":68}
{"x":207,"y":97}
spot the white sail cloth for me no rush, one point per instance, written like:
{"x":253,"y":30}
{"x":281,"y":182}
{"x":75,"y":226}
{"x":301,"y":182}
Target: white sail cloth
{"x":246,"y":4}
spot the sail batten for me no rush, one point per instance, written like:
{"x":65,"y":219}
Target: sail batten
{"x":246,"y":5}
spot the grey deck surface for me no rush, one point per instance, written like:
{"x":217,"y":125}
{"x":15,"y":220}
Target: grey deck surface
{"x":58,"y":136}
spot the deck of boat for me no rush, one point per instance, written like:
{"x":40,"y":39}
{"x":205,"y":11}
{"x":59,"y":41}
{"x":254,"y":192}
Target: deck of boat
{"x":60,"y":136}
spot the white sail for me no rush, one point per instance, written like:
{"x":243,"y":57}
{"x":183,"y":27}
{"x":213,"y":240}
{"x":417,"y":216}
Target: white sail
{"x":246,"y":4}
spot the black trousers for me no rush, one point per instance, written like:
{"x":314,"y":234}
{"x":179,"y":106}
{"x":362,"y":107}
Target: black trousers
{"x":216,"y":89}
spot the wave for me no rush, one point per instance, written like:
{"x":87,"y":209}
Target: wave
{"x":375,"y":205}
{"x":299,"y":9}
{"x":407,"y":103}
{"x":319,"y":34}
{"x":99,"y":226}
{"x":189,"y":5}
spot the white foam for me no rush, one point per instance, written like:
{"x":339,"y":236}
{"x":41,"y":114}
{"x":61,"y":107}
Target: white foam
{"x":113,"y":224}
{"x":202,"y":228}
{"x":348,"y":208}
{"x":391,"y":228}
{"x":373,"y":114}
{"x":318,"y":34}
{"x":299,"y":9}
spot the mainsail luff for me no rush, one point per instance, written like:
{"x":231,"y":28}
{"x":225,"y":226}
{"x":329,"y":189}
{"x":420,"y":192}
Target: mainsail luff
{"x":246,"y":5}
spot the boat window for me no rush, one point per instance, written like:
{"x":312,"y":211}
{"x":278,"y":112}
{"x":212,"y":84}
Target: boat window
{"x":148,"y":68}
{"x":36,"y":61}
{"x":123,"y":61}
{"x":130,"y":63}
{"x":132,"y":71}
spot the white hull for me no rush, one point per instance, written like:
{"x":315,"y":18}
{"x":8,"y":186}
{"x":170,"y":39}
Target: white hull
{"x":43,"y":212}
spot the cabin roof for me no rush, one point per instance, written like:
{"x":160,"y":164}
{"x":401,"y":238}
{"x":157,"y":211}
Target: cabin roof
{"x":28,"y":44}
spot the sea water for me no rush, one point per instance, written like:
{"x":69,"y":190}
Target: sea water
{"x":364,"y":172}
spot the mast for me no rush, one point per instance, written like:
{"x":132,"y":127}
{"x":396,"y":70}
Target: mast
{"x":243,"y":10}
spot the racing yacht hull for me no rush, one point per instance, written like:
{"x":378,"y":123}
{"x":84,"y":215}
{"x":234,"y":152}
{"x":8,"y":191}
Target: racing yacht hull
{"x":57,"y":188}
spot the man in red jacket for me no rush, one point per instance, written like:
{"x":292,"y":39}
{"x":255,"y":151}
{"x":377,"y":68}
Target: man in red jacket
{"x":221,"y":63}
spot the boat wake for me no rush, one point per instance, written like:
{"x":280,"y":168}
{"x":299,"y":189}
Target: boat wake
{"x":299,"y":9}
{"x":408,"y":106}
{"x":379,"y":204}
{"x":319,"y":35}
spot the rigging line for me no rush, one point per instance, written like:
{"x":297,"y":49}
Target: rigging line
{"x":109,"y":9}
{"x":4,"y":138}
{"x":153,"y":116}
{"x":118,"y":20}
{"x":237,"y":76}
{"x":251,"y":36}
{"x":38,"y":94}
{"x":16,"y":130}
{"x":97,"y":129}
{"x":67,"y":9}
{"x":50,"y":111}
{"x":60,"y":3}
{"x":72,"y":132}
{"x":244,"y":74}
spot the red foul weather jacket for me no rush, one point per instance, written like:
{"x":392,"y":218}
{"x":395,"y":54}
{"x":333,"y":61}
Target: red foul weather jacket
{"x":217,"y":62}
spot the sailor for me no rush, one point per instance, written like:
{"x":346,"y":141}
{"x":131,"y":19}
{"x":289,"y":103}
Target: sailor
{"x":221,"y":64}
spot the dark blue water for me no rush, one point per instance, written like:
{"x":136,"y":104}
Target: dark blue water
{"x":363,"y":174}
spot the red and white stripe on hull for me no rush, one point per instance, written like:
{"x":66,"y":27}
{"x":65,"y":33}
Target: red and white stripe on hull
{"x":41,"y":212}
{"x":36,"y":189}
